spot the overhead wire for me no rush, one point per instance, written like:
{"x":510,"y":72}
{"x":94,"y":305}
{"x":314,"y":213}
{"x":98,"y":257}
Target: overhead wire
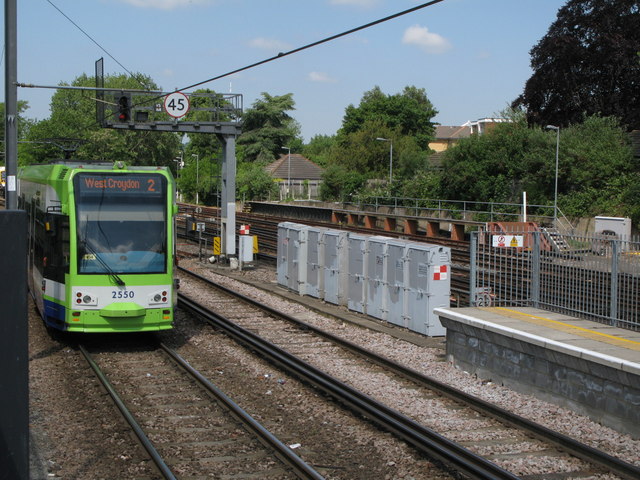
{"x":96,"y":43}
{"x":314,"y":44}
{"x":280,"y":54}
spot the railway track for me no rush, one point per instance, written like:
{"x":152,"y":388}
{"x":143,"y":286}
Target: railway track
{"x":505,"y":275}
{"x":512,"y":446}
{"x":188,"y":426}
{"x":266,"y":229}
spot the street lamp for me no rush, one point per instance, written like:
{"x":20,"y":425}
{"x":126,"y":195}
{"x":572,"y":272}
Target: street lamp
{"x":197,"y":175}
{"x":380,"y":139}
{"x":555,"y":192}
{"x":289,"y":170}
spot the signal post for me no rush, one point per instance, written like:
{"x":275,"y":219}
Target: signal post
{"x":221,"y":115}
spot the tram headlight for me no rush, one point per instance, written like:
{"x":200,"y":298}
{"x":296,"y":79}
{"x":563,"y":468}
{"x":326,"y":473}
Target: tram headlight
{"x":159,"y":297}
{"x":85,"y":298}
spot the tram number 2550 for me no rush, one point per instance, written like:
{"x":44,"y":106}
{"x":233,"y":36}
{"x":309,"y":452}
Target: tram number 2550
{"x":122,"y":294}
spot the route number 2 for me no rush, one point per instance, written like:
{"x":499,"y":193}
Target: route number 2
{"x":176,"y":104}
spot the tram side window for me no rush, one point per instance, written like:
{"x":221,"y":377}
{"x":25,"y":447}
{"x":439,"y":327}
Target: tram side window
{"x":39,"y":241}
{"x":57,"y":247}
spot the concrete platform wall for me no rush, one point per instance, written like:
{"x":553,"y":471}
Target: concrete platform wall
{"x":608,"y":395}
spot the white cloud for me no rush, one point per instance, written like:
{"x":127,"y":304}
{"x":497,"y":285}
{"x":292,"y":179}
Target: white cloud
{"x":269,"y":44}
{"x":166,"y":4}
{"x":426,"y":40}
{"x":321,"y":77}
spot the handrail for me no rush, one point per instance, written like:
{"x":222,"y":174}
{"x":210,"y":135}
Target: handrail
{"x":482,"y":211}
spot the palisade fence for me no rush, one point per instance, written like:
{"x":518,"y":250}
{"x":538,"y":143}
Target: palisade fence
{"x":590,"y":276}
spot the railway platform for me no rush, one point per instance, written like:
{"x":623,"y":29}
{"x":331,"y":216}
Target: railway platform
{"x":588,"y":367}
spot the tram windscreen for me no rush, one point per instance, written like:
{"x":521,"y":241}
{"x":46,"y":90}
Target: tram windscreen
{"x":121,"y":222}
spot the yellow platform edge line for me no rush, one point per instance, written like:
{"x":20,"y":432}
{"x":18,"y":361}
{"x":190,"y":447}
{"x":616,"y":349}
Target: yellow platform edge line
{"x":591,"y":332}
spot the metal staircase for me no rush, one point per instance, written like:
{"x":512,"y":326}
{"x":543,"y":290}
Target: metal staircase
{"x":556,"y":240}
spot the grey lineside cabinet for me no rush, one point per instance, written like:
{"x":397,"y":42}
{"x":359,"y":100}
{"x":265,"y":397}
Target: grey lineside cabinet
{"x":394,"y":280}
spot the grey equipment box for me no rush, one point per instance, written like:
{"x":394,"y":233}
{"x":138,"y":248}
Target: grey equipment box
{"x":297,"y":267}
{"x":315,"y":262}
{"x":336,"y":266}
{"x":356,"y":287}
{"x":245,"y":248}
{"x":282,"y":263}
{"x":395,"y":278}
{"x":428,"y":282}
{"x":292,"y":256}
{"x":376,"y":281}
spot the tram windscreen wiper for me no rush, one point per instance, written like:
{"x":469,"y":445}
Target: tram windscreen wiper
{"x":115,"y":278}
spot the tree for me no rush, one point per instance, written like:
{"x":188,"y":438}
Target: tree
{"x":267,"y":127}
{"x":254,"y":183}
{"x":24,"y":124}
{"x":598,"y":172}
{"x":410,"y":113}
{"x":341,"y":184}
{"x":595,"y":169}
{"x":359,"y":151}
{"x":586,"y":64}
{"x":318,"y":149}
{"x":425,"y":184}
{"x":73,"y":116}
{"x":501,"y":164}
{"x":403,"y":120}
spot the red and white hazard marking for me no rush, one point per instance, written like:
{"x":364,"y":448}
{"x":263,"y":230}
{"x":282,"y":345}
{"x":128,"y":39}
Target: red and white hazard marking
{"x":440,"y":272}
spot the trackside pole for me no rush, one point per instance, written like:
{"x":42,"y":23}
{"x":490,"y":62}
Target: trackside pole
{"x":14,"y":352}
{"x":228,"y":219}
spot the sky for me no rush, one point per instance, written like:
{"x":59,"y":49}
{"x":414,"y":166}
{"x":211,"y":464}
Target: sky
{"x":470,"y":56}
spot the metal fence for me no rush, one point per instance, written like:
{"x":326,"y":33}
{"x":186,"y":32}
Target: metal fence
{"x":462,"y":209}
{"x":596,"y":277}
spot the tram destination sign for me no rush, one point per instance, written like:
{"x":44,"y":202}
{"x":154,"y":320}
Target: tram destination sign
{"x":139,"y":184}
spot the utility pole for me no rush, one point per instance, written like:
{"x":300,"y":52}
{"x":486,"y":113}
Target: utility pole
{"x":11,"y":103}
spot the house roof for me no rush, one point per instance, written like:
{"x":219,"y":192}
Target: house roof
{"x":301,"y":168}
{"x":444,"y":132}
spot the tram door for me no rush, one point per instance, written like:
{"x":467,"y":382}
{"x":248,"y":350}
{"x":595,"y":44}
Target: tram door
{"x":31,"y":239}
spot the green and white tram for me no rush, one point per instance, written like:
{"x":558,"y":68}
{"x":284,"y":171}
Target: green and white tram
{"x":101,"y":245}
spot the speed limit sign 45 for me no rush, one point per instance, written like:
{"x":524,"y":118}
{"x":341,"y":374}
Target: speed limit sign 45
{"x":176,"y":104}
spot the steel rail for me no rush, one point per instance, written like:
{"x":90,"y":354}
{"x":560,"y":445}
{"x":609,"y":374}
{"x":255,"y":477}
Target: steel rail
{"x":302,"y":469}
{"x":437,"y":447}
{"x":142,"y":437}
{"x":563,"y":442}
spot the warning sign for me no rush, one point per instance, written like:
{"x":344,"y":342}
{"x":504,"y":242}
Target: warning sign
{"x":513,"y":241}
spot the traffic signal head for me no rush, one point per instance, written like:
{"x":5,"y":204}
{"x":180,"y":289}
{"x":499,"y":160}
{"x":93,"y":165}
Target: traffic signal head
{"x":123,"y":104}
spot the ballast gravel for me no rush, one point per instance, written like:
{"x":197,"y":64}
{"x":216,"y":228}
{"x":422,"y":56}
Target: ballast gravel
{"x":430,"y":361}
{"x":75,"y":432}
